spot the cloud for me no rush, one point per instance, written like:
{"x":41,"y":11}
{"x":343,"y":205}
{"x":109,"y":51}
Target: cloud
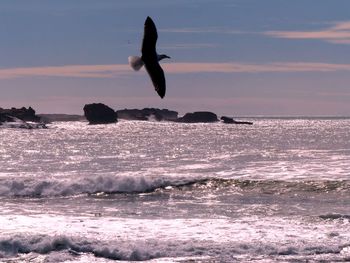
{"x":339,"y":33}
{"x":115,"y":70}
{"x":78,"y":71}
{"x":178,"y":68}
{"x":189,"y":46}
{"x":202,"y":30}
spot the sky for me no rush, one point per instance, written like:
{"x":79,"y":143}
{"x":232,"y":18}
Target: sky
{"x":232,"y":57}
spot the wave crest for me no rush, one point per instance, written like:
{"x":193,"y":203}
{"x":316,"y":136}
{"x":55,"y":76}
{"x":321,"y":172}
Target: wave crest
{"x":22,"y":244}
{"x":140,"y":184}
{"x":269,"y":186}
{"x":86,"y":185}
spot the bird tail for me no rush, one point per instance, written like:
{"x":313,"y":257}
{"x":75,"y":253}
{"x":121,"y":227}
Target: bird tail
{"x":135,"y":62}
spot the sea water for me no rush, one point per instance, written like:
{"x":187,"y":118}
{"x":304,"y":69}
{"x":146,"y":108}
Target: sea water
{"x":274,"y":191}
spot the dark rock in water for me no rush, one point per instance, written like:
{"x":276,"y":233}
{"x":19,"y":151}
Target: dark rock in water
{"x":146,"y":114}
{"x":20,"y":118}
{"x":229,"y":120}
{"x":98,"y":113}
{"x":243,"y":122}
{"x":23,"y":114}
{"x":5,"y":118}
{"x":19,"y":124}
{"x":131,"y":114}
{"x":160,"y":115}
{"x":199,"y":116}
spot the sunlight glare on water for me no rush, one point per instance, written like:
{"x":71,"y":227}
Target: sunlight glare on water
{"x":277,"y":190}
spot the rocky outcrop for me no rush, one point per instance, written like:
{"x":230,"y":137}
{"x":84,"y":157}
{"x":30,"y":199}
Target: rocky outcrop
{"x":199,"y":116}
{"x":5,"y":118}
{"x":131,"y":114}
{"x":147,"y":114}
{"x":13,"y":122}
{"x":20,"y":118}
{"x":98,"y":113}
{"x":229,"y":120}
{"x":23,"y":114}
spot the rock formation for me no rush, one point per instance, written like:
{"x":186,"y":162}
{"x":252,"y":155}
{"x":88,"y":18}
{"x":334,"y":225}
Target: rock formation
{"x":229,"y":120}
{"x":20,"y":118}
{"x":199,"y":116}
{"x":98,"y":113}
{"x":23,"y":114}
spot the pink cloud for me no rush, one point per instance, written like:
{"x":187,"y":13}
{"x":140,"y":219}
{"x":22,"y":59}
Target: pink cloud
{"x":200,"y":30}
{"x":339,"y":33}
{"x":80,"y":71}
{"x":111,"y":71}
{"x":178,"y":68}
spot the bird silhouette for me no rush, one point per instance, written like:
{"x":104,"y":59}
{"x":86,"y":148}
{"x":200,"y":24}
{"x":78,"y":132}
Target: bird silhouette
{"x":149,"y":58}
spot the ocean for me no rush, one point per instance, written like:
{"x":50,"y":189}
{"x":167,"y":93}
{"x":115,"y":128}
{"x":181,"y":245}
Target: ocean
{"x":274,"y":191}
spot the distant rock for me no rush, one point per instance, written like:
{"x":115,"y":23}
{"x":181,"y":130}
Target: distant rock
{"x":20,"y":118}
{"x":229,"y":120}
{"x":131,"y":114}
{"x":147,"y":114}
{"x":23,"y":114}
{"x":98,"y":113}
{"x":13,"y":122}
{"x":5,"y":118}
{"x":199,"y":116}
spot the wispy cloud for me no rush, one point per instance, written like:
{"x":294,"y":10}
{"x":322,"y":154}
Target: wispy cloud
{"x":254,"y":67}
{"x":202,"y":30}
{"x":188,"y":46}
{"x":77,"y":71}
{"x":338,"y":33}
{"x":115,"y":70}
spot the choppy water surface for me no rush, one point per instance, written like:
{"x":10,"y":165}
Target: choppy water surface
{"x":278,"y":190}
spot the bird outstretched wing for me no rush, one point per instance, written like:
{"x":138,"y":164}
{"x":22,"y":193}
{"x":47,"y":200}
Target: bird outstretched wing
{"x":150,"y":37}
{"x":150,"y":57}
{"x":157,"y":76}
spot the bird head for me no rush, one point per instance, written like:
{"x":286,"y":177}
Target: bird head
{"x":162,"y":56}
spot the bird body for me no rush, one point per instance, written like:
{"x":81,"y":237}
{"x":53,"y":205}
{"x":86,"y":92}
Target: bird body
{"x":150,"y":59}
{"x":136,"y":62}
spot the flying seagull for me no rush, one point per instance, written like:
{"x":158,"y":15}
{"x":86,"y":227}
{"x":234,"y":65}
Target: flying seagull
{"x":150,"y":58}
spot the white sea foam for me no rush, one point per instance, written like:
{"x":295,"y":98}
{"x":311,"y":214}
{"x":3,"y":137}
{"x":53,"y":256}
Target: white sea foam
{"x":40,"y":187}
{"x":143,"y":239}
{"x":84,"y":185}
{"x":41,"y":244}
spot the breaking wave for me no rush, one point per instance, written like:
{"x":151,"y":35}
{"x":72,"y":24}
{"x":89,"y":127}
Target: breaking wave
{"x":274,"y":186}
{"x":139,"y":184}
{"x":86,"y":185}
{"x":41,"y":244}
{"x":63,"y":248}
